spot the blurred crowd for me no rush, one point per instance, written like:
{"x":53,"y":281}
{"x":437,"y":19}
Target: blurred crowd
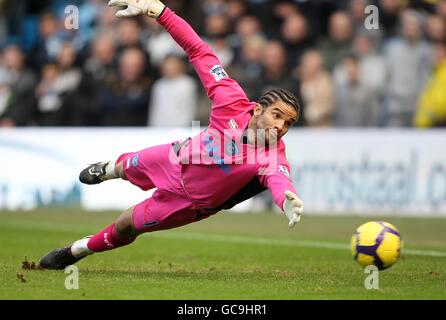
{"x":129,"y":72}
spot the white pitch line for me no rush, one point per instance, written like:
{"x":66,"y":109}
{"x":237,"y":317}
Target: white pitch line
{"x":427,"y":253}
{"x":277,"y":242}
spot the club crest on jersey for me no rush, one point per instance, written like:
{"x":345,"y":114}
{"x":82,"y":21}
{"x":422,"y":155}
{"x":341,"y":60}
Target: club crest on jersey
{"x":231,"y":149}
{"x":218,"y":72}
{"x":284,"y":170}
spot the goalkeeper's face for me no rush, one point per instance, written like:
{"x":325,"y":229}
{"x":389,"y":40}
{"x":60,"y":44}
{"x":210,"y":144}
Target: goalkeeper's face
{"x":275,"y":120}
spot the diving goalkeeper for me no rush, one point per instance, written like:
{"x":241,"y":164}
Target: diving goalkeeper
{"x":239,"y":155}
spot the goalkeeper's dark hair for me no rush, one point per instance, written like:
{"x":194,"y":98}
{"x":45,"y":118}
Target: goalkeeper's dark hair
{"x":274,"y":95}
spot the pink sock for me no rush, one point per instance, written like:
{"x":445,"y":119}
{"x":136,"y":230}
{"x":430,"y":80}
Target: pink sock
{"x":107,"y":239}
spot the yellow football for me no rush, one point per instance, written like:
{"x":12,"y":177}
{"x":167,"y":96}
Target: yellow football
{"x":376,"y":243}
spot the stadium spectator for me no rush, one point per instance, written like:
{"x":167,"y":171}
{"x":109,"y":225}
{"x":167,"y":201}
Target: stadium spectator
{"x":51,"y":39}
{"x":48,"y":99}
{"x":58,"y":6}
{"x":159,"y":44}
{"x":123,"y":98}
{"x":357,"y":104}
{"x":106,"y":21}
{"x":128,"y":35}
{"x":431,"y":111}
{"x":318,"y":14}
{"x":280,"y":12}
{"x":339,"y":41}
{"x":5,"y":95}
{"x":275,"y":73}
{"x":408,"y":59}
{"x":372,"y":65}
{"x":247,"y":27}
{"x":20,"y":18}
{"x":216,"y":35}
{"x":357,"y":11}
{"x":97,"y":70}
{"x":175,"y":93}
{"x":235,"y":10}
{"x":284,"y":9}
{"x":89,"y":12}
{"x":264,"y":11}
{"x":89,"y":15}
{"x":295,"y":37}
{"x":316,"y":89}
{"x":3,"y":31}
{"x":56,"y":92}
{"x":440,"y":8}
{"x":389,"y":11}
{"x":17,"y":85}
{"x":102,"y":57}
{"x":212,"y":7}
{"x":436,"y":28}
{"x":248,"y":69}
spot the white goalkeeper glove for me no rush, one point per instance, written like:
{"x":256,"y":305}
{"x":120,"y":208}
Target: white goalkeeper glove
{"x":293,"y":208}
{"x":152,"y":8}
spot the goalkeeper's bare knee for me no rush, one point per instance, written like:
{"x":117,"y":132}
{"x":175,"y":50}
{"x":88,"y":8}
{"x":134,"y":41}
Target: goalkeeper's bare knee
{"x":124,"y":225}
{"x":119,"y":170}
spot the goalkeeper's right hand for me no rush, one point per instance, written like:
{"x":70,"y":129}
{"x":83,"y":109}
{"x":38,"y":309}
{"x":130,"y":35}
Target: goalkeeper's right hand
{"x":293,"y":208}
{"x":152,"y":8}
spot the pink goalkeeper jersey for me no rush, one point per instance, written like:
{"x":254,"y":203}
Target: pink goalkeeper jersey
{"x":216,"y":164}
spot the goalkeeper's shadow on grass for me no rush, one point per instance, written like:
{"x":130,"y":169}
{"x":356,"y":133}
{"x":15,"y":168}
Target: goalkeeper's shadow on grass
{"x":172,"y":272}
{"x":170,"y":276}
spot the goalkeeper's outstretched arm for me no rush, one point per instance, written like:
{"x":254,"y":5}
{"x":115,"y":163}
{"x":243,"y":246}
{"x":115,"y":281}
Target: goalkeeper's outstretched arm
{"x":219,"y":87}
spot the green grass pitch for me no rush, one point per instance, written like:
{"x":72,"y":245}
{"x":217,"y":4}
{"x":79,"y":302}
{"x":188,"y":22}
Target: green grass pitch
{"x":228,"y":256}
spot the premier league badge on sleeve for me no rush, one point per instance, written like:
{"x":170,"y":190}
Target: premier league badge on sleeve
{"x":284,"y":170}
{"x":218,"y":72}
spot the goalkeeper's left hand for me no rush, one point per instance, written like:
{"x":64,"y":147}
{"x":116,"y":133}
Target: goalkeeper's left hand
{"x":152,"y":8}
{"x":293,"y":208}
